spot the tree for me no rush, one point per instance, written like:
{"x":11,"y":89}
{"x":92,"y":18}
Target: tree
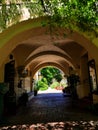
{"x":50,"y":72}
{"x":42,"y":85}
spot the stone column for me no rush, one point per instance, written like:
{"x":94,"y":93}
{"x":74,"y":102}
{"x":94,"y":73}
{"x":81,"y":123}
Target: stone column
{"x":84,"y":88}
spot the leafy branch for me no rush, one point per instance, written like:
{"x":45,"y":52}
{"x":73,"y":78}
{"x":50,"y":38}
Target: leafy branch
{"x":80,"y":13}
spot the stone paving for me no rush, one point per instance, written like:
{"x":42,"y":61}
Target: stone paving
{"x":49,"y":108}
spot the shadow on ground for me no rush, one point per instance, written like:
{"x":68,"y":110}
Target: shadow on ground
{"x":49,"y":109}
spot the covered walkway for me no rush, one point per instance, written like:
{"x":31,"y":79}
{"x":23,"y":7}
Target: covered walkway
{"x":50,"y":107}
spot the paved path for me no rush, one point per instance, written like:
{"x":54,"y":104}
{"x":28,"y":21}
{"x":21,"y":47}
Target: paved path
{"x":50,"y":107}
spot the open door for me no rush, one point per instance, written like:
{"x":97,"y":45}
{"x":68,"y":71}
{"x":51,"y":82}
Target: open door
{"x":92,"y":76}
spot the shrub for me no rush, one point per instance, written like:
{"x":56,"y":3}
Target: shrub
{"x":42,"y":85}
{"x":44,"y":80}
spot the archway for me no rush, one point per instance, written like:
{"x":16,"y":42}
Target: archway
{"x":49,"y":78}
{"x":32,"y":47}
{"x":40,"y":36}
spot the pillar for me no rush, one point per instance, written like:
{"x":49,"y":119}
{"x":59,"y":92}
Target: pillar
{"x":84,"y":88}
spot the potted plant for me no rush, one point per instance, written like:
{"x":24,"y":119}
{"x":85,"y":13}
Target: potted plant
{"x":35,"y":92}
{"x":36,"y":89}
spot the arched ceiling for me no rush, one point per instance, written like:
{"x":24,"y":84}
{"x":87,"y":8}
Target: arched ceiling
{"x":49,"y":58}
{"x":48,"y":48}
{"x":33,"y":45}
{"x":43,"y":49}
{"x":64,"y":68}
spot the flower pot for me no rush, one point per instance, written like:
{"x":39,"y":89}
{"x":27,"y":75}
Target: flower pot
{"x":35,"y":92}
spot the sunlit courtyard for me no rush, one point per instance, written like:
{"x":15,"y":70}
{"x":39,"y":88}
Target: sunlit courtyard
{"x":49,"y":90}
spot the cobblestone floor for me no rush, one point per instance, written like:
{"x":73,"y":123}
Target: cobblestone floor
{"x":51,"y":110}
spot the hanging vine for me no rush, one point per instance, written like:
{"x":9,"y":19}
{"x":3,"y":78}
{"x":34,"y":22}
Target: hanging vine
{"x":64,"y":13}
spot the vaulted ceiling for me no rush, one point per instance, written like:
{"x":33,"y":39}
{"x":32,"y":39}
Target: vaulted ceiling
{"x":35,"y":46}
{"x":43,"y":49}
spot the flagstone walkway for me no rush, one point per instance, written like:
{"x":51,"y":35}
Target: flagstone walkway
{"x":50,"y":107}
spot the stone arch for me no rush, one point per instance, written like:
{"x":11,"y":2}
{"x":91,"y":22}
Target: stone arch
{"x":14,"y":36}
{"x":42,"y":65}
{"x":54,"y":53}
{"x":31,"y":32}
{"x":49,"y":48}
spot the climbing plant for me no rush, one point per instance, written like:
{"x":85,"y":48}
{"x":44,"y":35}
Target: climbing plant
{"x":82,"y":14}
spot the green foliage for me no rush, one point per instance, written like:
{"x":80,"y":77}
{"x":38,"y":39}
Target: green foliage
{"x":58,"y":77}
{"x":64,"y":13}
{"x":76,"y":13}
{"x":36,"y":87}
{"x":9,"y":14}
{"x":42,"y":85}
{"x":46,"y":72}
{"x":49,"y":73}
{"x":44,"y":80}
{"x":54,"y":85}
